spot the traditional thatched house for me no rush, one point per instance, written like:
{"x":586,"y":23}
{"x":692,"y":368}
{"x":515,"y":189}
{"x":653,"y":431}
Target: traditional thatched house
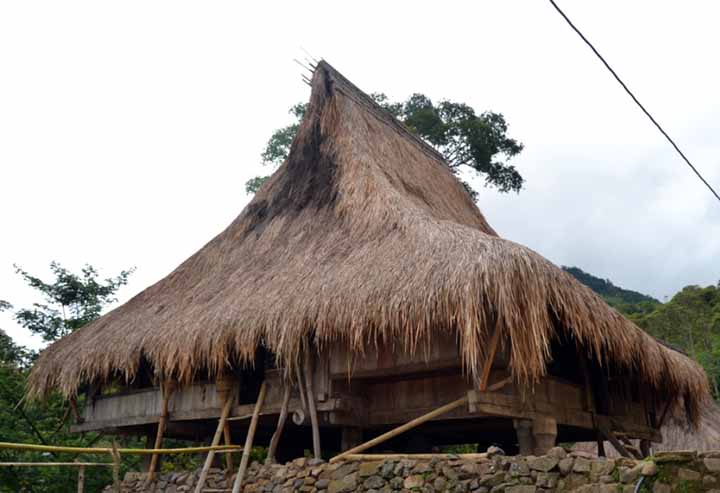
{"x":364,"y":265}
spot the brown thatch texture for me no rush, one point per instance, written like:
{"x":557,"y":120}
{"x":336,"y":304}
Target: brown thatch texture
{"x":362,"y":233}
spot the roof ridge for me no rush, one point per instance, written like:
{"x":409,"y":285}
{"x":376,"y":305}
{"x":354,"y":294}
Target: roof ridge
{"x":361,"y":97}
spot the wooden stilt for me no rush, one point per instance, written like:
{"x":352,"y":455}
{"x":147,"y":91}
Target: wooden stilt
{"x":228,"y":457}
{"x":280,"y":425}
{"x":317,"y":452}
{"x":81,"y":479}
{"x":227,"y":405}
{"x":301,"y":388}
{"x":249,"y":441}
{"x":167,"y":389}
{"x":601,"y":446}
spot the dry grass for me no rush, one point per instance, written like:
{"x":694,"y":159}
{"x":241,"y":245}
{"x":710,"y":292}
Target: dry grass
{"x":362,"y":234}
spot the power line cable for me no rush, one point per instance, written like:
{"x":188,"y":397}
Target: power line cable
{"x":647,"y":113}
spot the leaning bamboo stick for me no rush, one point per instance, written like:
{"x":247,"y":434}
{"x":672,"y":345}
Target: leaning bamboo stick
{"x":249,"y":440}
{"x":380,"y":457}
{"x":167,"y":390}
{"x":124,"y":451}
{"x":403,"y":428}
{"x":280,"y":425}
{"x":311,"y":404}
{"x":59,"y":464}
{"x":227,"y":405}
{"x":485,"y":375}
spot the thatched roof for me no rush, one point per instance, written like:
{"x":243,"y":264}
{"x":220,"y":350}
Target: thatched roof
{"x":363,"y":233}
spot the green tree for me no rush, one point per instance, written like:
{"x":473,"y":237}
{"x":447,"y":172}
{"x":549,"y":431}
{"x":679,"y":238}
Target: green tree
{"x":71,"y":300}
{"x":479,"y":143}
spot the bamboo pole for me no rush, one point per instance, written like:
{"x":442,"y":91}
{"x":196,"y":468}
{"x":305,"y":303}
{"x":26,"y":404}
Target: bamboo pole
{"x":166,"y":392}
{"x":301,"y":388}
{"x":125,"y":451}
{"x":403,"y":428}
{"x":116,"y":467}
{"x":381,"y":457}
{"x":249,"y":440}
{"x":53,"y":464}
{"x":227,"y":405}
{"x":311,"y":404}
{"x":280,"y":425}
{"x":81,"y":480}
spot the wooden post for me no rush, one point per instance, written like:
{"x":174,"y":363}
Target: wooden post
{"x":485,"y":375}
{"x":73,"y":405}
{"x":227,"y":405}
{"x":280,"y":425}
{"x":301,"y":388}
{"x":167,"y":388}
{"x":249,"y":441}
{"x":311,"y":403}
{"x":403,"y":428}
{"x":116,"y":467}
{"x":228,"y":457}
{"x":81,"y":479}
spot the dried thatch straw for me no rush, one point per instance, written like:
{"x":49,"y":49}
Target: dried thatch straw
{"x":363,"y":234}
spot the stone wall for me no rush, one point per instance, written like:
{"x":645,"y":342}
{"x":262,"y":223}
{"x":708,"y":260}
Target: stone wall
{"x":685,"y":472}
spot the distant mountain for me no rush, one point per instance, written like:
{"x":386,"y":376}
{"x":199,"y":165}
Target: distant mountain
{"x":624,"y":300}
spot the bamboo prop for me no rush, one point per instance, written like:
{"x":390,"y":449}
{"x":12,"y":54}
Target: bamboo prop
{"x":317,"y":453}
{"x":403,"y":428}
{"x":484,"y":377}
{"x":227,"y":405}
{"x":381,"y":457}
{"x":81,"y":480}
{"x":249,"y":440}
{"x":167,"y":391}
{"x":116,"y":467}
{"x":124,"y":451}
{"x":53,"y":464}
{"x":280,"y":425}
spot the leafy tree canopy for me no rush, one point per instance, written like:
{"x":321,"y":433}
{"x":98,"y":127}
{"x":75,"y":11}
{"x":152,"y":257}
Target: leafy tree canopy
{"x":71,"y":300}
{"x":467,"y":140}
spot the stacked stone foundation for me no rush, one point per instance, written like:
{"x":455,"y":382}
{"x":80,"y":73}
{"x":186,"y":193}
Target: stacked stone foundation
{"x":684,"y":472}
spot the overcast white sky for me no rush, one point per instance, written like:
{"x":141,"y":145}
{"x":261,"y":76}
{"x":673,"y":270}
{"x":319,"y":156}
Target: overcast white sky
{"x":128,"y":129}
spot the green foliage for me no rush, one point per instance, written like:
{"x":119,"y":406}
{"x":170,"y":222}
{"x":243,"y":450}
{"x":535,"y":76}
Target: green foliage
{"x":466,"y":140}
{"x":71,"y":300}
{"x":690,"y":321}
{"x":254,"y":184}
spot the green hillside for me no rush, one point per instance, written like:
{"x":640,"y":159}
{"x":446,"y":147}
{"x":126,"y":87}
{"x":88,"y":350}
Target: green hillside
{"x":627,"y":301}
{"x":690,"y":320}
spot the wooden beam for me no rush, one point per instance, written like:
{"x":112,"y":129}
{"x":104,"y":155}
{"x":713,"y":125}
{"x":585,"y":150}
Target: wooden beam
{"x":492,"y":350}
{"x":403,"y":428}
{"x":167,"y":389}
{"x":280,"y":425}
{"x":607,"y":434}
{"x":317,"y":452}
{"x":227,"y":405}
{"x":249,"y":441}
